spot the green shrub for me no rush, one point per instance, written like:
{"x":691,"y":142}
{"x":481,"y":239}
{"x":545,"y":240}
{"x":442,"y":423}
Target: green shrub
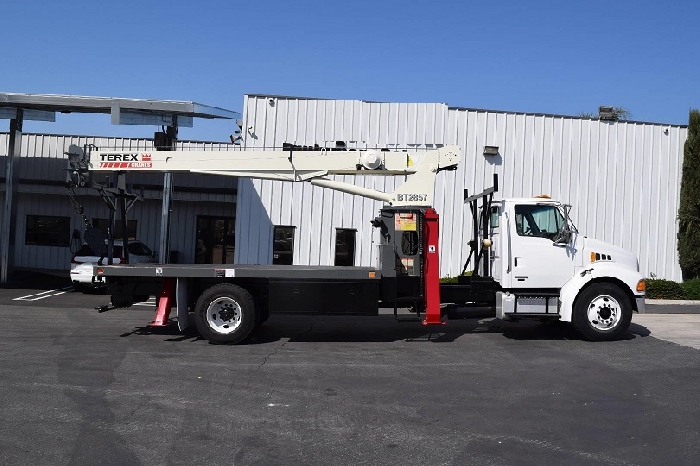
{"x":664,"y":289}
{"x":448,"y":280}
{"x":692,"y":289}
{"x":454,"y":279}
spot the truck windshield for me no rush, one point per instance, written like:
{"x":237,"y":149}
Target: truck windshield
{"x":543,"y":221}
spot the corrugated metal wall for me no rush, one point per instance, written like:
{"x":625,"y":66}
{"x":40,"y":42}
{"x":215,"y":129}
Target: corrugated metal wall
{"x":317,"y":212}
{"x":41,"y":168}
{"x":622,"y":178}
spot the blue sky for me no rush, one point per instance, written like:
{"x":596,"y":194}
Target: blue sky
{"x":534,"y":56}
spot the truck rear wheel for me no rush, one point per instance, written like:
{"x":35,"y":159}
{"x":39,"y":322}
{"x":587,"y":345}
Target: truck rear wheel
{"x":225,"y":314}
{"x":602,"y":312}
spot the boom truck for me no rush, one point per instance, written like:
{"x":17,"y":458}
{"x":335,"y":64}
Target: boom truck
{"x":529,"y":260}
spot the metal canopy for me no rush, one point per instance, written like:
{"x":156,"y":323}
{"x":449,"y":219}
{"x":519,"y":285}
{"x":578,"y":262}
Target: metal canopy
{"x":43,"y":107}
{"x":123,"y":111}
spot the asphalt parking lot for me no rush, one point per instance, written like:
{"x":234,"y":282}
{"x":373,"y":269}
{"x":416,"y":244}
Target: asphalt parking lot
{"x":85,"y":388}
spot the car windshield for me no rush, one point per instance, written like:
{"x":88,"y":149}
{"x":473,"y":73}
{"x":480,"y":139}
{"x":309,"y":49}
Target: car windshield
{"x":139,"y":249}
{"x":86,"y":250}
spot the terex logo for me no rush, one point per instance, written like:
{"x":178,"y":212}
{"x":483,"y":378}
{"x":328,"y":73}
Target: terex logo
{"x":119,"y":157}
{"x":125,"y":161}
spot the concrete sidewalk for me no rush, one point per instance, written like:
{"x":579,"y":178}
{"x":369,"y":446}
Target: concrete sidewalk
{"x":682,"y":329}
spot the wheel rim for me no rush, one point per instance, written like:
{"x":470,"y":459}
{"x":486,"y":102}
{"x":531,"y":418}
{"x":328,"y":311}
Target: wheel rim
{"x":604,"y":313}
{"x":224,"y":315}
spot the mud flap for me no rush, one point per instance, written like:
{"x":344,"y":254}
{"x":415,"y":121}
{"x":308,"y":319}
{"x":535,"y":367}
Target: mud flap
{"x":182,"y":300}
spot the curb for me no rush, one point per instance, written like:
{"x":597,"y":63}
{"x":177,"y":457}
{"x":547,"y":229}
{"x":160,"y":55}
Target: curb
{"x":671,"y":302}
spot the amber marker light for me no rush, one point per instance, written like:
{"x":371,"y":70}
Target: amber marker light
{"x":641,"y":285}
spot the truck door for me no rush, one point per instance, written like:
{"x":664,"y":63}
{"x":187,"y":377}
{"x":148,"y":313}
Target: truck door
{"x":534,"y":260}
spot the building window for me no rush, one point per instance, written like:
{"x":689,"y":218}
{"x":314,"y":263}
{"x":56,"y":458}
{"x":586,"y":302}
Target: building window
{"x":215,"y":240}
{"x":44,"y":230}
{"x":103,"y":225}
{"x":345,"y":247}
{"x":283,"y":245}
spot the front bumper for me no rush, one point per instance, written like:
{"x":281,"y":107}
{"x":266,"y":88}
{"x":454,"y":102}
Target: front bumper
{"x":640,"y":304}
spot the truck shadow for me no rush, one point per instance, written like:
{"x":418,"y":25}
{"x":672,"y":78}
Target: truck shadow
{"x":384,"y":328}
{"x":639,"y":330}
{"x":170,"y":331}
{"x":562,"y":331}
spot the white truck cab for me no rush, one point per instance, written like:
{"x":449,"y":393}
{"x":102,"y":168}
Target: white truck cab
{"x":545,"y":267}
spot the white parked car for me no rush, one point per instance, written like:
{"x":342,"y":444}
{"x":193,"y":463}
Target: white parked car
{"x":83,"y":261}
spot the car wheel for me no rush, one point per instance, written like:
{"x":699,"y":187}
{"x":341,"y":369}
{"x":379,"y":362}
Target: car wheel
{"x":82,"y":287}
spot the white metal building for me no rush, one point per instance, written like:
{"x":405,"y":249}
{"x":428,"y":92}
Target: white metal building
{"x":622,"y":178}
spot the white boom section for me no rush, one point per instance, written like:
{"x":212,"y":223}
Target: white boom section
{"x":421,"y":167}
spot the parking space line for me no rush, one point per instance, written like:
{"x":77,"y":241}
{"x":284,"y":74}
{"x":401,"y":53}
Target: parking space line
{"x":150,"y":303}
{"x":44,"y":294}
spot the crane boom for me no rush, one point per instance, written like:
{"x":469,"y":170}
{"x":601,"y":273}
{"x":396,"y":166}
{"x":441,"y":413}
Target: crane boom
{"x":420,"y":167}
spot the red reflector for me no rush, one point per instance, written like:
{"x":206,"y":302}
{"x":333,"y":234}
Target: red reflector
{"x":100,"y":271}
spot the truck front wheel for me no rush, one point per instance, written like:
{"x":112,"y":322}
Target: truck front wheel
{"x":602,"y":312}
{"x":225,"y":314}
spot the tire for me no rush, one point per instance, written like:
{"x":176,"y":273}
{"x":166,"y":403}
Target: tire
{"x":602,"y":312}
{"x":88,"y":289}
{"x":81,"y":288}
{"x":225,"y":314}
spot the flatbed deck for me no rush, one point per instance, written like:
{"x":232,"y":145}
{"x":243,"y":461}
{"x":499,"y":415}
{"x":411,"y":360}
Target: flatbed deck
{"x":297,"y":272}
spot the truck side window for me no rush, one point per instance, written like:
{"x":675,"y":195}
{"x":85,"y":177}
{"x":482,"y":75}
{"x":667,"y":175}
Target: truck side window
{"x":495,"y":216}
{"x":543,"y":221}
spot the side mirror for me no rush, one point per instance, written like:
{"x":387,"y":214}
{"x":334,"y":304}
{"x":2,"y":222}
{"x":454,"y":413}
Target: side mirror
{"x":562,"y":238}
